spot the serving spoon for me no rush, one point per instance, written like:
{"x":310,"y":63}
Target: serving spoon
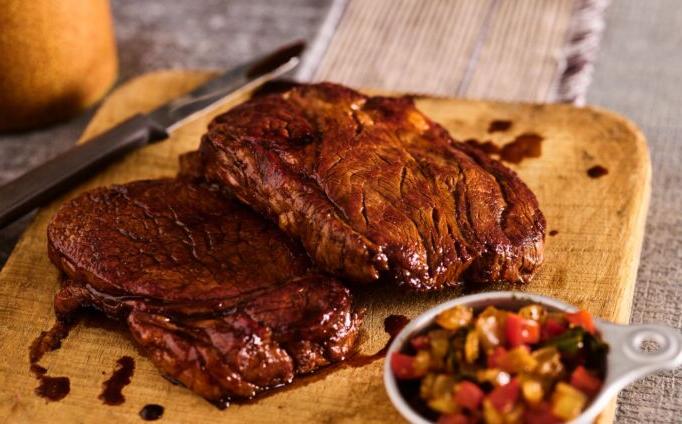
{"x":626,"y":361}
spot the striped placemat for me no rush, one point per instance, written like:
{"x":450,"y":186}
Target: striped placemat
{"x":522,"y":50}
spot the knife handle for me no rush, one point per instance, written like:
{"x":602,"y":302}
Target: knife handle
{"x":50,"y":179}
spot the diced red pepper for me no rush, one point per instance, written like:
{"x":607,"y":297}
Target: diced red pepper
{"x":403,"y":367}
{"x":583,"y":319}
{"x":514,"y":330}
{"x":531,"y":331}
{"x":504,"y":397}
{"x":453,"y":419}
{"x":553,"y":327}
{"x":468,"y":395}
{"x":521,"y":331}
{"x":496,"y":357}
{"x":421,"y":342}
{"x":540,"y":415}
{"x":582,"y":380}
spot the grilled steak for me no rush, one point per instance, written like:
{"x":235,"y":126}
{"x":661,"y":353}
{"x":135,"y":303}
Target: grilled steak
{"x":218,"y":298}
{"x":374,"y":189}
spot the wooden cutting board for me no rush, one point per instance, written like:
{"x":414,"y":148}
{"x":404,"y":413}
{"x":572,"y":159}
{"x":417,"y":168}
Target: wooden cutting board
{"x":591,"y":262}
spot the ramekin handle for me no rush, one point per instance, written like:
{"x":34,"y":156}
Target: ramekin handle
{"x":628,"y":361}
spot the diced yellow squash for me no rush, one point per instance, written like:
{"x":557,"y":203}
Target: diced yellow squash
{"x":422,"y":361}
{"x":548,"y":362}
{"x":495,"y":376}
{"x":515,"y":416}
{"x":444,"y":404}
{"x":532,"y":390}
{"x":471,"y":347}
{"x":490,"y":414}
{"x":439,"y":343}
{"x":489,"y":326}
{"x":442,"y":385}
{"x":534,"y":312}
{"x":519,"y":360}
{"x":567,"y":402}
{"x":454,"y":318}
{"x":426,"y":387}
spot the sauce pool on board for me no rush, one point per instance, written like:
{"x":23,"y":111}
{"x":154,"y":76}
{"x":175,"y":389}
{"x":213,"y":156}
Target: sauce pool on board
{"x":112,"y":389}
{"x":50,"y":388}
{"x":526,"y":145}
{"x":499,"y":125}
{"x":53,"y":388}
{"x":597,"y":171}
{"x":151,"y":412}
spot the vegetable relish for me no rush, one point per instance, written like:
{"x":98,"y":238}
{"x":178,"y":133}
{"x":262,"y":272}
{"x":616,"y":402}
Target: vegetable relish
{"x":498,"y":366}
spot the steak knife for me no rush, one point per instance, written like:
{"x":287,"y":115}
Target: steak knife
{"x":41,"y":184}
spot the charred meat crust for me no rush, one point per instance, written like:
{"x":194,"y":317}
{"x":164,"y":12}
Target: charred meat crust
{"x":217,"y":298}
{"x":374,"y":189}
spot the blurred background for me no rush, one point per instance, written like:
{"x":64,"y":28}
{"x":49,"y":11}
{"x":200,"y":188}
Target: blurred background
{"x":624,"y":56}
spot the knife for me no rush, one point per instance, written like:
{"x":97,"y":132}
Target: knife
{"x":45,"y":182}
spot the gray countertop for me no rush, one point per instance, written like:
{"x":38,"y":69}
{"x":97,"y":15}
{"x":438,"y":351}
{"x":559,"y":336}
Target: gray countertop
{"x":638,"y":73}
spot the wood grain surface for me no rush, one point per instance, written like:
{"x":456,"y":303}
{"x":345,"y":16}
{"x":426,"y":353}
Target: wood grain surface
{"x":591,"y":262}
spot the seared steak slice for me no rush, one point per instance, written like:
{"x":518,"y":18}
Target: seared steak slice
{"x":217,"y":297}
{"x":372,"y":188}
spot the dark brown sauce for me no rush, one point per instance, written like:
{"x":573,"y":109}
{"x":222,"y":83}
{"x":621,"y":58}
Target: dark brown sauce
{"x":526,"y":145}
{"x":224,"y":403}
{"x":487,"y":146}
{"x":553,"y":233}
{"x":597,"y":171}
{"x":53,"y":388}
{"x":50,"y":388}
{"x":172,"y":380}
{"x":112,"y":389}
{"x":38,"y":370}
{"x":499,"y":125}
{"x":151,"y":412}
{"x":49,"y":340}
{"x":392,"y":326}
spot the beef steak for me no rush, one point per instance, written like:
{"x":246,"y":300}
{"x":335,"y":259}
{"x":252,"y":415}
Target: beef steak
{"x":218,"y":298}
{"x":374,"y":189}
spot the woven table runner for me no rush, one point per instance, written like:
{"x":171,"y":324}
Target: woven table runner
{"x":520,"y":50}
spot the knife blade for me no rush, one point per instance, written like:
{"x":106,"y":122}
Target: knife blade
{"x":50,"y":179}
